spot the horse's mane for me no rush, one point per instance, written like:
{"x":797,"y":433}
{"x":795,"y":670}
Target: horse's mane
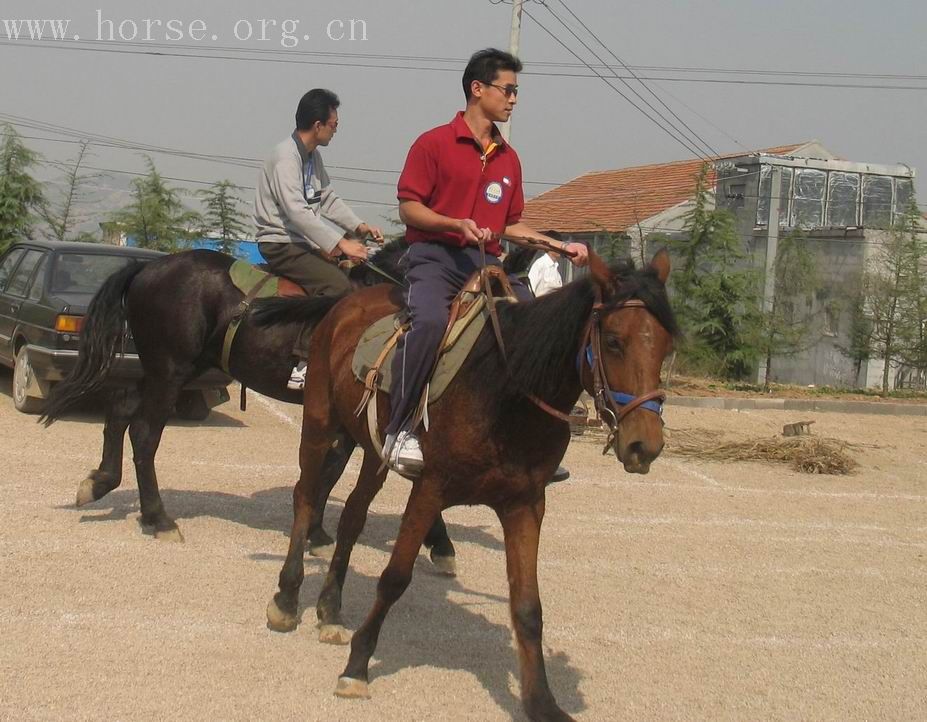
{"x":542,"y":337}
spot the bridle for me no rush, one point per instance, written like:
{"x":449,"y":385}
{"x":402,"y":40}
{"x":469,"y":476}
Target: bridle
{"x":612,"y":407}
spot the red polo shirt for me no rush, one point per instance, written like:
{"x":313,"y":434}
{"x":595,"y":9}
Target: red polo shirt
{"x":448,"y":172}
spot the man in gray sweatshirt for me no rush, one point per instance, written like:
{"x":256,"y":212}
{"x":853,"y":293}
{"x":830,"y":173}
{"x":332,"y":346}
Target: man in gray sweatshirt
{"x":294,"y":195}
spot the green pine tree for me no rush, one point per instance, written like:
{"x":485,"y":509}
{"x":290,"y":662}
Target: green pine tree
{"x":714,"y":290}
{"x":20,"y":194}
{"x":894,"y":289}
{"x":157,"y":218}
{"x":786,"y":325}
{"x":224,"y":218}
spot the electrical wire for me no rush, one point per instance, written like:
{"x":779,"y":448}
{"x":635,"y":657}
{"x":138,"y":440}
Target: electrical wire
{"x":204,"y":54}
{"x":692,"y":133}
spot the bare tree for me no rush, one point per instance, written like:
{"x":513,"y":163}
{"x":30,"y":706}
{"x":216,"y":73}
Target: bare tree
{"x":63,"y":216}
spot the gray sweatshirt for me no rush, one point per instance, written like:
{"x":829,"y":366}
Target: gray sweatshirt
{"x":294,"y":194}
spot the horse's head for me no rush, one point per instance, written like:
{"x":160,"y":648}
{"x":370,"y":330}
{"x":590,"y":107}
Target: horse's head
{"x":630,"y":334}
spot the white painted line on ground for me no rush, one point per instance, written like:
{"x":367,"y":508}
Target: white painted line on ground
{"x":275,"y":409}
{"x":717,"y":486}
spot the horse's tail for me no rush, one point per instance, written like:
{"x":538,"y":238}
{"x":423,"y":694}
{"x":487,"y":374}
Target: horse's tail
{"x":103,"y":330}
{"x":274,"y":311}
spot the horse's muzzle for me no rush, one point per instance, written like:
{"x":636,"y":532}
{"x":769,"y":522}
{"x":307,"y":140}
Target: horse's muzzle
{"x":638,"y":455}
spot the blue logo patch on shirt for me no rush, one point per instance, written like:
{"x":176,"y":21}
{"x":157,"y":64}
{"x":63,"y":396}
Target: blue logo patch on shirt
{"x":493,"y":192}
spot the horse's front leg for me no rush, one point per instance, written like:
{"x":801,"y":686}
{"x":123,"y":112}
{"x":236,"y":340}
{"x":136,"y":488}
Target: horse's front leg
{"x":522,"y":527}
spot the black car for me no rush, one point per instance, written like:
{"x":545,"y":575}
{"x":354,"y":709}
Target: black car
{"x":45,"y":288}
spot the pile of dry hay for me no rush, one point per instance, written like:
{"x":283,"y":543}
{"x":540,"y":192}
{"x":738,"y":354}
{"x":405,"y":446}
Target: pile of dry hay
{"x":808,"y":454}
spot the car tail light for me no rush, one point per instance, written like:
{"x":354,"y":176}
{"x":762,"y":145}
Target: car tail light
{"x":69,"y":324}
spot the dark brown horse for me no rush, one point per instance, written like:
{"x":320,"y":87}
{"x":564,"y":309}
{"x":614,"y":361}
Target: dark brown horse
{"x":177,"y":309}
{"x":489,"y":441}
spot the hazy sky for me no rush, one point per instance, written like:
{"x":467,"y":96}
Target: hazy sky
{"x":563,"y":126}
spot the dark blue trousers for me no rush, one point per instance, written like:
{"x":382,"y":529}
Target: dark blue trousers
{"x":436,"y":274}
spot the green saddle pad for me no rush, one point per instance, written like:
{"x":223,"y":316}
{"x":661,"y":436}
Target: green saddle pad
{"x":245,"y":277}
{"x":465,"y":333}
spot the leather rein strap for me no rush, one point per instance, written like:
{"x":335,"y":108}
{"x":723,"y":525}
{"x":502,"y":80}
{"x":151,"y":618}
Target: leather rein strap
{"x":605,"y":399}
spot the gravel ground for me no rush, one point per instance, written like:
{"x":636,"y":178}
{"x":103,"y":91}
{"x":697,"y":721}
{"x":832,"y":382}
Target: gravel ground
{"x":701,"y":591}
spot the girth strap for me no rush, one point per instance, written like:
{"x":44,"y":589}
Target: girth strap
{"x":239,"y":314}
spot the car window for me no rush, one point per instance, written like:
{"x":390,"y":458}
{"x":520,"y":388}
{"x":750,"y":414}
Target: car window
{"x":38,"y":281}
{"x":23,"y":274}
{"x":85,"y":272}
{"x":9,"y":263}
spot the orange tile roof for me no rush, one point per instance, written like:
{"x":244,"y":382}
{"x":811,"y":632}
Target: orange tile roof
{"x":614,"y":200}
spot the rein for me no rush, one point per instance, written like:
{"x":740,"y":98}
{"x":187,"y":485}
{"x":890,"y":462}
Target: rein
{"x":612,"y":406}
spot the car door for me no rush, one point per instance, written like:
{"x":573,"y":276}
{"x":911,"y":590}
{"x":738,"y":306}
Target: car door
{"x":8,"y":306}
{"x":36,"y":317}
{"x":16,"y":290}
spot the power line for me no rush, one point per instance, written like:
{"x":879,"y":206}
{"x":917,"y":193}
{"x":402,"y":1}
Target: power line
{"x":241,"y":161}
{"x":693,"y":134}
{"x":204,"y":54}
{"x":605,"y":80}
{"x":462,"y":61}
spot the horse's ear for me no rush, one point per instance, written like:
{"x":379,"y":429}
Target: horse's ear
{"x":599,"y":272}
{"x":661,"y":264}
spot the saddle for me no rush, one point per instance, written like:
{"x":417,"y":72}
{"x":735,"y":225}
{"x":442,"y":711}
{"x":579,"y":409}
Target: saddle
{"x":473,"y":306}
{"x":255,"y":283}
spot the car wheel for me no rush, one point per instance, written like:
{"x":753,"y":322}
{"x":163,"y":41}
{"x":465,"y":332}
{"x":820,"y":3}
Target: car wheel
{"x":192,"y":406}
{"x":22,"y":380}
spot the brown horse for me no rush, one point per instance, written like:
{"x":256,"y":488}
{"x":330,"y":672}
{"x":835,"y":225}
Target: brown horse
{"x":489,"y":440}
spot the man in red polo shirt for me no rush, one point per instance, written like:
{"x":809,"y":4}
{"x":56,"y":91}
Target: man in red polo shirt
{"x":461,"y":184}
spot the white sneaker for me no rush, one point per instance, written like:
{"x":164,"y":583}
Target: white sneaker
{"x":405,"y":453}
{"x":298,"y":378}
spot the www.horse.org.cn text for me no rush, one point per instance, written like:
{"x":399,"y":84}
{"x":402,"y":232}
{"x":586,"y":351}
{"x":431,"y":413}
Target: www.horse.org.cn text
{"x":287,"y":32}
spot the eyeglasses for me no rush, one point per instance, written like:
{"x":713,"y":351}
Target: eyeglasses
{"x":507,"y":90}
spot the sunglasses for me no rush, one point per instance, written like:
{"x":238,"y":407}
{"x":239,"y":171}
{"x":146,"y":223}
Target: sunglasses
{"x":507,"y":90}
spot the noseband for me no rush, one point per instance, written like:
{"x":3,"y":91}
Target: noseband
{"x":613,"y":406}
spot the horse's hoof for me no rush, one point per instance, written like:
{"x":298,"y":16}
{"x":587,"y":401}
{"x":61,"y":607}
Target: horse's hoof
{"x":352,"y":688}
{"x":169,"y":535}
{"x":446,"y":566}
{"x":278,"y":620}
{"x":85,"y":492}
{"x":325,"y":551}
{"x":334,"y":634}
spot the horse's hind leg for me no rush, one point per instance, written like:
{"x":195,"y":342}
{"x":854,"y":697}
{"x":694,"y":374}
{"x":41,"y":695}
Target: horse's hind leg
{"x":350,"y":526}
{"x":282,"y":609}
{"x":120,"y":405}
{"x":320,"y":543}
{"x":424,"y":506}
{"x":145,"y":429}
{"x":443,"y":555}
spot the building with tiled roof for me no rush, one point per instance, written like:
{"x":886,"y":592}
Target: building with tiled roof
{"x":845,"y":208}
{"x":613,"y":201}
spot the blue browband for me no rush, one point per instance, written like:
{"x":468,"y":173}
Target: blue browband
{"x":622,"y":399}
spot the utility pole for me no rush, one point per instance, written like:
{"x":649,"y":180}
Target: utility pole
{"x":772,"y":248}
{"x":514,"y":41}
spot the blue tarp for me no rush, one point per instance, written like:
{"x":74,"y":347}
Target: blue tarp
{"x":246,"y":250}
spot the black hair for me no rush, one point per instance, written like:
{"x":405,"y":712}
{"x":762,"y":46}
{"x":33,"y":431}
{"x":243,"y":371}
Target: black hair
{"x":316,"y":105}
{"x":485,"y":64}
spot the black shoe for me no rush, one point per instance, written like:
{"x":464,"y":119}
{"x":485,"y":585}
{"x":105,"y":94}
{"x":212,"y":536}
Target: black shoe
{"x":561,"y":474}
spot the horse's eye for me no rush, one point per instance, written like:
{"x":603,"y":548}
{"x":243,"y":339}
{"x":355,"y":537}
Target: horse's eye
{"x":612,"y":343}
